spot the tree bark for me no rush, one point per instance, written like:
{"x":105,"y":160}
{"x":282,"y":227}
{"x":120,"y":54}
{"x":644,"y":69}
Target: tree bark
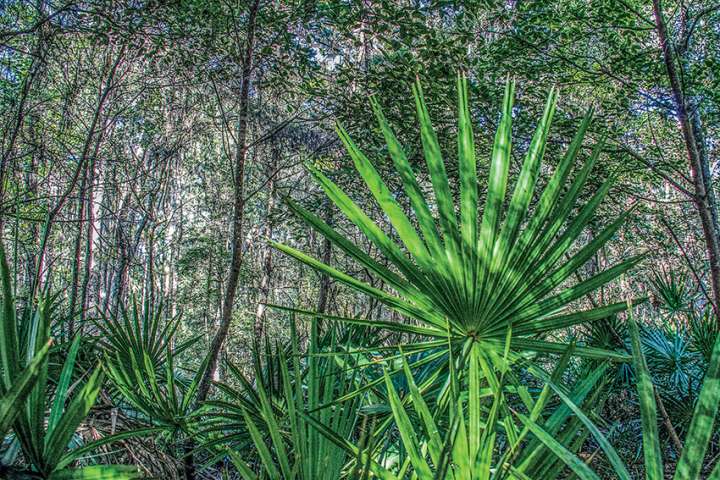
{"x":89,"y":241}
{"x":77,"y":255}
{"x":325,"y":282}
{"x":241,"y":150}
{"x":703,"y":197}
{"x":267,"y":266}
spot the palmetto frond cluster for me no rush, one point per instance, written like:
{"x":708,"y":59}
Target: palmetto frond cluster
{"x":483,"y":278}
{"x":471,"y":273}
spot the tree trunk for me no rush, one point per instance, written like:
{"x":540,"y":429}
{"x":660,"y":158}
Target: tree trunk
{"x":10,"y":136}
{"x":703,"y":197}
{"x":31,"y":185}
{"x":77,"y":255}
{"x":325,"y":281}
{"x":264,"y":294}
{"x":150,"y":272}
{"x":94,"y":133}
{"x":89,"y":237}
{"x":241,"y":149}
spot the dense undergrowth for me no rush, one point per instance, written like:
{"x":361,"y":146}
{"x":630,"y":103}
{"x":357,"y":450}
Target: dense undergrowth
{"x":493,"y":372}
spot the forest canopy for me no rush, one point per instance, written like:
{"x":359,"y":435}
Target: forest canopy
{"x":362,"y":239}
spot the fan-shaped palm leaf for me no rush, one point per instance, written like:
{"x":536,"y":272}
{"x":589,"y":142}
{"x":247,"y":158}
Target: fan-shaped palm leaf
{"x":140,"y":359}
{"x":470,"y":276}
{"x":463,"y":444}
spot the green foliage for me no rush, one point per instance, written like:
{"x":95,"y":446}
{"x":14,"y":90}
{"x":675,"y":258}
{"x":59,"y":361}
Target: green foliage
{"x":140,"y":361}
{"x":13,"y":398}
{"x":467,"y":280}
{"x":131,"y":128}
{"x":674,"y":292}
{"x":44,"y":440}
{"x":691,"y":463}
{"x":671,"y":359}
{"x":704,"y":332}
{"x":480,"y":438}
{"x":289,"y":410}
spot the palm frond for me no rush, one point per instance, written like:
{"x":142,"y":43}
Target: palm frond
{"x":507,"y":264}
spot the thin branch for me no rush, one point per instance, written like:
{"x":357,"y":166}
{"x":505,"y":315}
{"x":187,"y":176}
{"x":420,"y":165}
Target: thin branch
{"x":625,"y":149}
{"x":687,"y":260}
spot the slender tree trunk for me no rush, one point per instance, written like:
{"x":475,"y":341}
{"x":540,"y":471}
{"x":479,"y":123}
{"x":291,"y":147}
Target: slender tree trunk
{"x":325,"y":282}
{"x":128,"y":253}
{"x":89,"y":240}
{"x":93,"y":133}
{"x":241,"y":149}
{"x":690,"y":127}
{"x":122,"y":246}
{"x":77,"y":255}
{"x":31,"y":186}
{"x":11,"y":135}
{"x":108,"y":199}
{"x":150,"y":271}
{"x":264,"y":296}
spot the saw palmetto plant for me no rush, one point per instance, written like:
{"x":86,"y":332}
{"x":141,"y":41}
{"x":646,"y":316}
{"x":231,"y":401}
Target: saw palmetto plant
{"x":49,"y":410}
{"x":704,"y":332}
{"x":674,"y":292}
{"x":12,"y":397}
{"x":466,"y":274}
{"x":140,"y":360}
{"x":241,"y":396}
{"x":141,"y":332}
{"x":483,"y":435}
{"x":670,"y":357}
{"x":690,"y":465}
{"x":280,"y":422}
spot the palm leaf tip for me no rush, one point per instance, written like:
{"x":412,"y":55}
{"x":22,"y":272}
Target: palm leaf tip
{"x":476,"y":272}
